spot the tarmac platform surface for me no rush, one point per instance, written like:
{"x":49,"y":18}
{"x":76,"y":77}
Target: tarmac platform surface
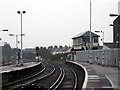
{"x":101,"y":77}
{"x":14,"y":67}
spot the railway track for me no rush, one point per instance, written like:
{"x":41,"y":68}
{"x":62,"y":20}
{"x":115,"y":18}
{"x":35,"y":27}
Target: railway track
{"x":18,"y":83}
{"x":53,"y":76}
{"x":70,"y":78}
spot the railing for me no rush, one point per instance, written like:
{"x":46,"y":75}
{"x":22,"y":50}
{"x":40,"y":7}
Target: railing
{"x":111,"y":56}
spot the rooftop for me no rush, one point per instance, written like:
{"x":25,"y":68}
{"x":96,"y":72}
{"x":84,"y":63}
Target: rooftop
{"x":86,"y":34}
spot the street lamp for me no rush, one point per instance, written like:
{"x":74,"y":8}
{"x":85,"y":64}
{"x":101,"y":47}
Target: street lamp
{"x":103,"y":46}
{"x":16,"y":35}
{"x":16,"y":39}
{"x":23,"y":12}
{"x":103,"y":35}
{"x":90,"y":54}
{"x":115,"y":25}
{"x":112,"y":15}
{"x":111,"y":25}
{"x":4,"y":30}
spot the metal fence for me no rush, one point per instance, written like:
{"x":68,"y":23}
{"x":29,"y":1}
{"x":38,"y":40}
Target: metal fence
{"x":109,"y":56}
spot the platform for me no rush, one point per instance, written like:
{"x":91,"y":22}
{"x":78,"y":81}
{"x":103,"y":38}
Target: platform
{"x":10,"y":68}
{"x":101,"y":77}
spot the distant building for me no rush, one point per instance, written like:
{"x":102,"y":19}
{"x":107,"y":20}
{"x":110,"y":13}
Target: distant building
{"x":82,"y":41}
{"x":56,"y":51}
{"x":61,"y":50}
{"x":64,"y":50}
{"x":31,"y":50}
{"x":119,"y":8}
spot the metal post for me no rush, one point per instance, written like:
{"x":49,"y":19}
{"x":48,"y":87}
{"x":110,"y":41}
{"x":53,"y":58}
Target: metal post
{"x":17,"y":41}
{"x":90,"y":54}
{"x":16,"y":50}
{"x":21,"y":40}
{"x":73,"y":57}
{"x":103,"y":57}
{"x":21,"y":34}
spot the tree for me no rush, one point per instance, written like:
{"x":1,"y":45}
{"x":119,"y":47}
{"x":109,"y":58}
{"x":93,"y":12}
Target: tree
{"x":6,"y":51}
{"x":60,"y":47}
{"x":56,"y":46}
{"x":47,"y":55}
{"x":50,"y":47}
{"x":28,"y":55}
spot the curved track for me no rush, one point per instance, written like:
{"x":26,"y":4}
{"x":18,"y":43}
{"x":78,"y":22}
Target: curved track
{"x":53,"y":76}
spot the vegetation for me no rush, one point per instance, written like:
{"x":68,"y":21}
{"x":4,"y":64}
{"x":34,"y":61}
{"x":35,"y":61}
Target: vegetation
{"x":44,"y":53}
{"x":28,"y":55}
{"x":6,"y":51}
{"x":60,"y":61}
{"x":9,"y":53}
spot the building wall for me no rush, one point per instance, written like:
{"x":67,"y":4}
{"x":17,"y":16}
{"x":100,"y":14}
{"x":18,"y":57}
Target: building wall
{"x":110,"y":55}
{"x":0,"y":55}
{"x":116,"y":33}
{"x":78,"y":43}
{"x":0,"y":66}
{"x":95,"y":44}
{"x":119,"y":8}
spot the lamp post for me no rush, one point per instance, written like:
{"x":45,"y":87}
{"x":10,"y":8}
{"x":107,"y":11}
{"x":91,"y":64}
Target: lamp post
{"x":113,"y":15}
{"x":4,"y":30}
{"x":118,"y":36}
{"x":16,"y":39}
{"x":16,"y":35}
{"x":3,"y":43}
{"x":23,"y":12}
{"x":103,"y":47}
{"x":90,"y":54}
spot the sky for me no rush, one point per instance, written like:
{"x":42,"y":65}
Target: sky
{"x":55,"y":22}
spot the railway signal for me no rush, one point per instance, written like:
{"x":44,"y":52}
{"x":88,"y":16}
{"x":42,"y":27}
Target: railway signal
{"x":19,"y":53}
{"x":37,"y":54}
{"x":37,"y":50}
{"x":18,"y":57}
{"x":73,"y":52}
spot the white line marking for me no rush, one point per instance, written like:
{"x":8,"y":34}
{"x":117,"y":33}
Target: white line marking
{"x":110,"y":81}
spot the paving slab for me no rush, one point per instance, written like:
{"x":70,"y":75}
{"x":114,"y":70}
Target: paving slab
{"x":101,"y":77}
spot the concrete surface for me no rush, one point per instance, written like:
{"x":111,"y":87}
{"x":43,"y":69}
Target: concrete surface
{"x":101,"y":77}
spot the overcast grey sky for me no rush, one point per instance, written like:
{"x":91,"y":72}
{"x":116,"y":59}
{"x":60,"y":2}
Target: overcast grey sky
{"x":55,"y":22}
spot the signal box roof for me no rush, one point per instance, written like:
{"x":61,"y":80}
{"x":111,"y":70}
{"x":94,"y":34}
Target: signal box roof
{"x":86,"y":34}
